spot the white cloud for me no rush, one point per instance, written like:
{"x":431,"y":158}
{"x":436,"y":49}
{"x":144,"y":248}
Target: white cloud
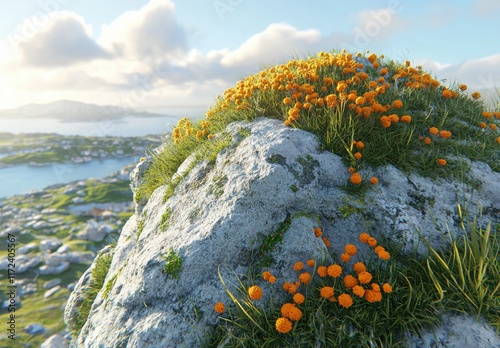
{"x":150,"y":34}
{"x":67,"y":39}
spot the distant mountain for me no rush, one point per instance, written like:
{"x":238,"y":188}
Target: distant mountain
{"x":72,"y":111}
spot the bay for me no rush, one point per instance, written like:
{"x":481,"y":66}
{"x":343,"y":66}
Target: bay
{"x":21,"y":179}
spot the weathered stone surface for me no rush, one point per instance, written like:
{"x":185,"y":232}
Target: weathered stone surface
{"x":55,"y":341}
{"x":136,"y":181}
{"x":51,"y":283}
{"x":58,"y":269}
{"x":50,"y":244}
{"x":34,"y":329}
{"x":457,"y":331}
{"x":221,"y":213}
{"x":52,"y":291}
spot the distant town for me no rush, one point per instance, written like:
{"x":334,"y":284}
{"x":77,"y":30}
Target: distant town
{"x":41,"y":149}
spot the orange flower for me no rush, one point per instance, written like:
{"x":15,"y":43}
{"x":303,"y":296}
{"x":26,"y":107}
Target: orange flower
{"x":405,"y":119}
{"x":283,"y":325}
{"x":378,"y":249}
{"x":298,"y":266}
{"x":493,"y":126}
{"x":350,"y":249}
{"x":345,"y":300}
{"x":364,"y":277}
{"x":345,"y":257}
{"x":385,"y":121}
{"x":433,"y":130}
{"x":219,"y":307}
{"x":373,"y":180}
{"x":298,"y":298}
{"x":305,"y":278}
{"x":398,"y":104}
{"x":498,"y":140}
{"x":384,"y":255}
{"x":350,"y":281}
{"x":358,"y":290}
{"x":363,"y":237}
{"x":266,"y":275}
{"x":441,"y":161}
{"x":359,"y":267}
{"x":384,"y":71}
{"x":394,"y":118}
{"x":427,"y":141}
{"x":359,"y":145}
{"x":446,"y":93}
{"x":476,"y":95}
{"x":375,"y":287}
{"x":351,"y":170}
{"x":255,"y":292}
{"x":290,"y":311}
{"x":290,"y":287}
{"x":373,"y":296}
{"x":360,"y":100}
{"x":334,"y":271}
{"x":317,"y":232}
{"x":387,"y":288}
{"x":482,"y":125}
{"x":287,"y":101}
{"x":372,"y":242}
{"x":445,"y":134}
{"x":356,"y":178}
{"x":327,"y":242}
{"x":322,"y":271}
{"x":462,"y":87}
{"x":326,"y":292}
{"x":358,"y":155}
{"x":487,"y":115}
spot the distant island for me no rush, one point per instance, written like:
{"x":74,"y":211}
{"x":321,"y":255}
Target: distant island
{"x":73,"y":111}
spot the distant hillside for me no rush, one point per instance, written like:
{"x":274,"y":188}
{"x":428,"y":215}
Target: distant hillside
{"x":71,"y":111}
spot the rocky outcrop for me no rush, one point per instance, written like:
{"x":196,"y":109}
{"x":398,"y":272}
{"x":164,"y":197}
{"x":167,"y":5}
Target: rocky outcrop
{"x":268,"y":178}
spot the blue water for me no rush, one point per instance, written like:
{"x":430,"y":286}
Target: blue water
{"x":22,"y":179}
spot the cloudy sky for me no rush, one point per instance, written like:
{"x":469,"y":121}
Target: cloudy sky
{"x":161,"y":55}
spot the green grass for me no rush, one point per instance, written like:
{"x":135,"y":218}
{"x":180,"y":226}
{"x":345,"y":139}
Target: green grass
{"x":173,"y":264}
{"x":103,"y":192}
{"x":89,"y":293}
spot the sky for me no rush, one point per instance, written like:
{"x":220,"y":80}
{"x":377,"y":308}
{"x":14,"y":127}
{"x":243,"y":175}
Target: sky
{"x":164,"y":55}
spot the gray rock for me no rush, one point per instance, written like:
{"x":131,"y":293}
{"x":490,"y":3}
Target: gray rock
{"x":63,"y":249}
{"x":63,"y":266}
{"x":457,"y":331}
{"x":80,"y":257}
{"x":50,"y":244}
{"x":136,"y":181}
{"x":94,"y":231}
{"x":55,"y":341}
{"x":26,"y":248}
{"x":29,"y":288}
{"x":52,"y":291}
{"x":53,"y":259}
{"x":51,"y":283}
{"x":34,"y":329}
{"x":40,"y":224}
{"x":255,"y":184}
